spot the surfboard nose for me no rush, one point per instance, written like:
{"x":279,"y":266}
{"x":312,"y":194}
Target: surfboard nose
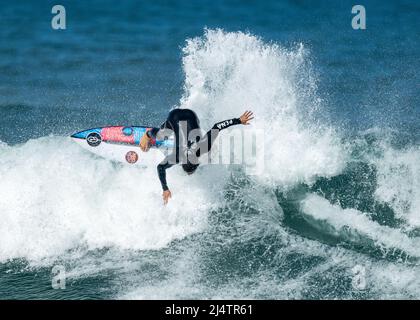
{"x":83,"y":134}
{"x":79,"y":135}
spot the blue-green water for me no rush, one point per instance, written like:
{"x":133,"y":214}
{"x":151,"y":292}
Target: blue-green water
{"x":335,"y":212}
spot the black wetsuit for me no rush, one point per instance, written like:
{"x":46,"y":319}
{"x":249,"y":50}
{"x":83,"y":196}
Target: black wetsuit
{"x":174,"y":124}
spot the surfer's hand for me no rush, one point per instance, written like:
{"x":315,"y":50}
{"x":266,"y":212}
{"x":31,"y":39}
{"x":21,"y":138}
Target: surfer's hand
{"x":246,"y":117}
{"x":166,"y":195}
{"x":145,"y":143}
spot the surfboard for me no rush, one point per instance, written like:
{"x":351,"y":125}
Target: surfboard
{"x":121,"y":143}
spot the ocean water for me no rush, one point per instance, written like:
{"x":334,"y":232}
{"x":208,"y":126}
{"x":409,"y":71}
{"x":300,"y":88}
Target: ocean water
{"x":335,"y":214}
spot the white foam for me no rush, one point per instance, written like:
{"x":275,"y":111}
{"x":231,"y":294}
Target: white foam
{"x":56,"y":196}
{"x":383,"y":279}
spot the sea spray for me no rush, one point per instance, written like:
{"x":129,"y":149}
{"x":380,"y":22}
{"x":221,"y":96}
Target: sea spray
{"x":228,"y":73}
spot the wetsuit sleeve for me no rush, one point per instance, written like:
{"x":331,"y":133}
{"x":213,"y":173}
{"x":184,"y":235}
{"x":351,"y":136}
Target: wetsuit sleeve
{"x":226,"y":124}
{"x":206,"y":143}
{"x":161,"y":169}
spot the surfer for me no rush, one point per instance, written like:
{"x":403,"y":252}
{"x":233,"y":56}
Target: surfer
{"x":190,"y":144}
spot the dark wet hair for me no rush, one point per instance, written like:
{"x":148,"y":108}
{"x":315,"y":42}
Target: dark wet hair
{"x":189,"y":167}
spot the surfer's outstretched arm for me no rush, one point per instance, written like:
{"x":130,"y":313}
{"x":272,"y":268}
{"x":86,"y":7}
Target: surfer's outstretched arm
{"x":206,"y":143}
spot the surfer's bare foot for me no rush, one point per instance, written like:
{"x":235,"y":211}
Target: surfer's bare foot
{"x":145,"y":143}
{"x":166,"y":195}
{"x":246,"y":117}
